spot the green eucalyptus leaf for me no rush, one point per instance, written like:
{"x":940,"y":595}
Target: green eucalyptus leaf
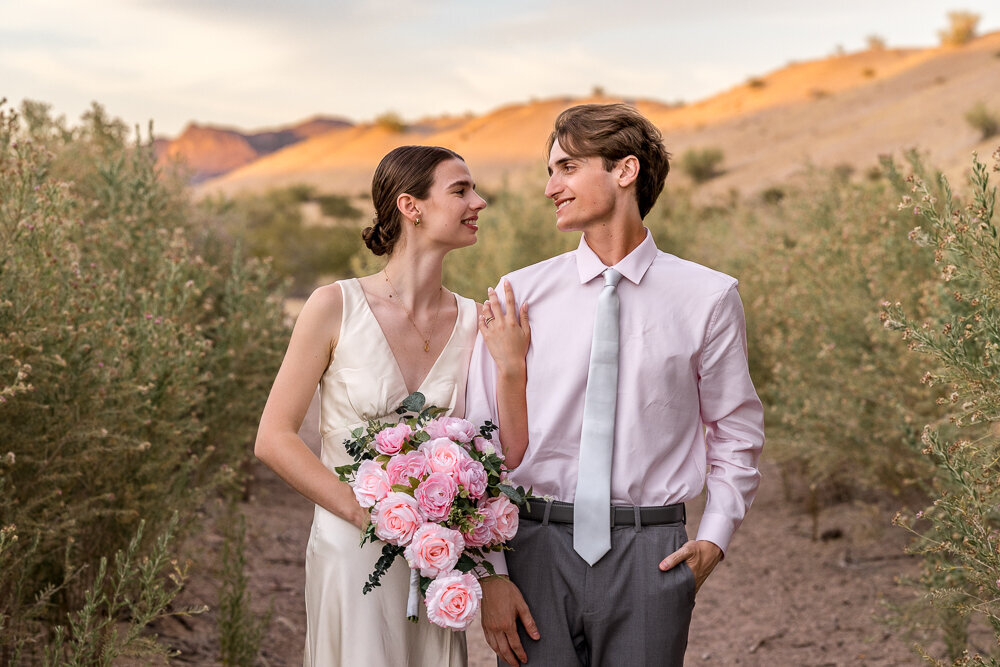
{"x":414,"y":402}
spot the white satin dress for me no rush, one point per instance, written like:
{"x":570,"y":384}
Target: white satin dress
{"x":345,"y":627}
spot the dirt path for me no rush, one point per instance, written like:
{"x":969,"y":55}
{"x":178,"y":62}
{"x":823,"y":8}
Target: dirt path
{"x":779,"y":598}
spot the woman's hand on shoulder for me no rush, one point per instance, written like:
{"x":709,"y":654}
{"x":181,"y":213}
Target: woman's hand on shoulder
{"x":507,"y":334}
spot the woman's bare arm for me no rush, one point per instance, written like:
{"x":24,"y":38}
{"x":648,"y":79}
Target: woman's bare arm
{"x":278,"y":444}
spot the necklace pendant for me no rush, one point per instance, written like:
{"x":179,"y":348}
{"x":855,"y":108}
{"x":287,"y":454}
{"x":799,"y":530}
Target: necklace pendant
{"x":427,"y":346}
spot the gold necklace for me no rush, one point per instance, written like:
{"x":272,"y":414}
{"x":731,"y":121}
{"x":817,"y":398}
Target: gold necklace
{"x":426,"y":339}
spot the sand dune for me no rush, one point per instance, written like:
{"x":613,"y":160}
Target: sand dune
{"x":842,"y":110}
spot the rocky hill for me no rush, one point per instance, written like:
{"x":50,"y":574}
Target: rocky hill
{"x":842,"y":111}
{"x":206,"y":151}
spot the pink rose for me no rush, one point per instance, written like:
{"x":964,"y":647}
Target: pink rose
{"x":443,"y":455}
{"x":435,"y":495}
{"x":460,"y":430}
{"x":484,"y":532}
{"x":390,"y":440}
{"x":487,"y":447}
{"x":371,"y":483}
{"x":434,"y":549}
{"x":472,"y":476}
{"x":453,"y":600}
{"x":505,"y":513}
{"x":402,"y":467}
{"x":396,"y":518}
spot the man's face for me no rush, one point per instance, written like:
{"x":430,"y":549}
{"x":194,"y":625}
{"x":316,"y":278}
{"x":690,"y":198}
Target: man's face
{"x":585,"y":194}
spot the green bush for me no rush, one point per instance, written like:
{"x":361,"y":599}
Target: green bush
{"x":338,"y":206}
{"x":845,"y":416}
{"x":981,"y":118}
{"x":391,"y":121}
{"x":270,"y":227}
{"x":136,"y":347}
{"x":240,"y":629}
{"x":875,"y":42}
{"x":958,"y":532}
{"x":702,"y":164}
{"x":961,"y":28}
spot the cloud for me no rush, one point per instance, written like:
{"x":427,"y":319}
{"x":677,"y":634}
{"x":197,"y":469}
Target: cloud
{"x":254,"y":62}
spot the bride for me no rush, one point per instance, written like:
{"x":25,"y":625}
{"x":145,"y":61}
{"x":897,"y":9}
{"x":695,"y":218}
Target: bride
{"x":368,"y":343}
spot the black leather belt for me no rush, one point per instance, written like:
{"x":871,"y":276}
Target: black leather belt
{"x":620,"y":515}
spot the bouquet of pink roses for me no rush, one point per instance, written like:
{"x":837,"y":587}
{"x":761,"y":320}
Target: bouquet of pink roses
{"x":435,"y":489}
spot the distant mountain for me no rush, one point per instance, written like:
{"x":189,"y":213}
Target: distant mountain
{"x":842,"y":111}
{"x":206,"y":151}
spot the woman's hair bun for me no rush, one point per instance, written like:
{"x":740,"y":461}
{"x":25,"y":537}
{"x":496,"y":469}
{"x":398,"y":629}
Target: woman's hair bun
{"x":373,"y":238}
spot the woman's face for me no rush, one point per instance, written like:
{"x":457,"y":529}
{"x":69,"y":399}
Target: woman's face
{"x":450,"y":213}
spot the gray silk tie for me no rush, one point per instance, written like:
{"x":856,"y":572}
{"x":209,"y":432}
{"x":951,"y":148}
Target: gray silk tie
{"x":592,"y":506}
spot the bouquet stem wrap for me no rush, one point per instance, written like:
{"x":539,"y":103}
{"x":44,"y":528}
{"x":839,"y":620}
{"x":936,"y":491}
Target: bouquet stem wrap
{"x":413,"y":599}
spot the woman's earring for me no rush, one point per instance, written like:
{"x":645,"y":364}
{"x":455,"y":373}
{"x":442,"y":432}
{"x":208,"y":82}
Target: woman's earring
{"x":416,"y":222}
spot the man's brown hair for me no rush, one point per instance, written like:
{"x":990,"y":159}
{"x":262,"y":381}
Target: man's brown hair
{"x":612,"y":132}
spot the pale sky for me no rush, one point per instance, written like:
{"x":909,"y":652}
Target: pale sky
{"x":252,"y":64}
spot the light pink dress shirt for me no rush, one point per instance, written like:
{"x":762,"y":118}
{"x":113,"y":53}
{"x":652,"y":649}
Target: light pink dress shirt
{"x":687,"y":413}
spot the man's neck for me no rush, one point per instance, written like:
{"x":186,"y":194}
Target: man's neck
{"x":613,"y":242}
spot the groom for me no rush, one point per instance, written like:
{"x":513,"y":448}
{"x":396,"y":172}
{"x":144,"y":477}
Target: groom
{"x":638,"y":396}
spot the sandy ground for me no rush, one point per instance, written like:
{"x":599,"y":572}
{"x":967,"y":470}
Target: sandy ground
{"x":779,"y":598}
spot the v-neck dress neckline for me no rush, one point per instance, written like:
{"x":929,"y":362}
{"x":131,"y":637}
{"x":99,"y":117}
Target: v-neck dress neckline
{"x":388,"y":347}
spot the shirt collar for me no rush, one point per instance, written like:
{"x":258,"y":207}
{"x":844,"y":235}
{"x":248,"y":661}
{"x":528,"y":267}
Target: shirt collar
{"x":633,"y":266}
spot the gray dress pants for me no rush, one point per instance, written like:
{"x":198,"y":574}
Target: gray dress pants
{"x":621,"y":611}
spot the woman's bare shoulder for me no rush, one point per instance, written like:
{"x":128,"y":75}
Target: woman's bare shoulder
{"x":323,"y":311}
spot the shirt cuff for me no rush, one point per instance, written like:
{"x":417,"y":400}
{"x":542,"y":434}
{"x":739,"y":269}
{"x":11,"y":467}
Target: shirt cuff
{"x":498,"y":561}
{"x":717,"y":529}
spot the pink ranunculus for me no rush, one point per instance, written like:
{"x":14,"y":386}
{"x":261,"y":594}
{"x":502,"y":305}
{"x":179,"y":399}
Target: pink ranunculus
{"x":472,"y":476}
{"x":484,"y":533}
{"x":402,"y":467}
{"x":487,"y":447}
{"x":460,"y":430}
{"x":453,"y":600}
{"x":397,"y":517}
{"x":443,"y":455}
{"x":434,"y":549}
{"x":435,"y":495}
{"x":371,"y":483}
{"x":505,"y":513}
{"x":390,"y":440}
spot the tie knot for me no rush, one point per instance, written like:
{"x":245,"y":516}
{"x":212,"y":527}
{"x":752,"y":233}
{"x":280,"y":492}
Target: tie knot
{"x":611,"y":277}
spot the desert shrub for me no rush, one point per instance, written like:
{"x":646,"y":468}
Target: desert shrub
{"x":240,"y":629}
{"x":756,"y":82}
{"x":338,"y":206}
{"x":391,"y":121}
{"x":270,"y":226}
{"x":842,"y":422}
{"x":961,"y":28}
{"x":958,"y":532}
{"x":875,"y":42}
{"x":772,"y":195}
{"x":94,"y":634}
{"x":983,"y":119}
{"x":135,"y":349}
{"x":702,"y":164}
